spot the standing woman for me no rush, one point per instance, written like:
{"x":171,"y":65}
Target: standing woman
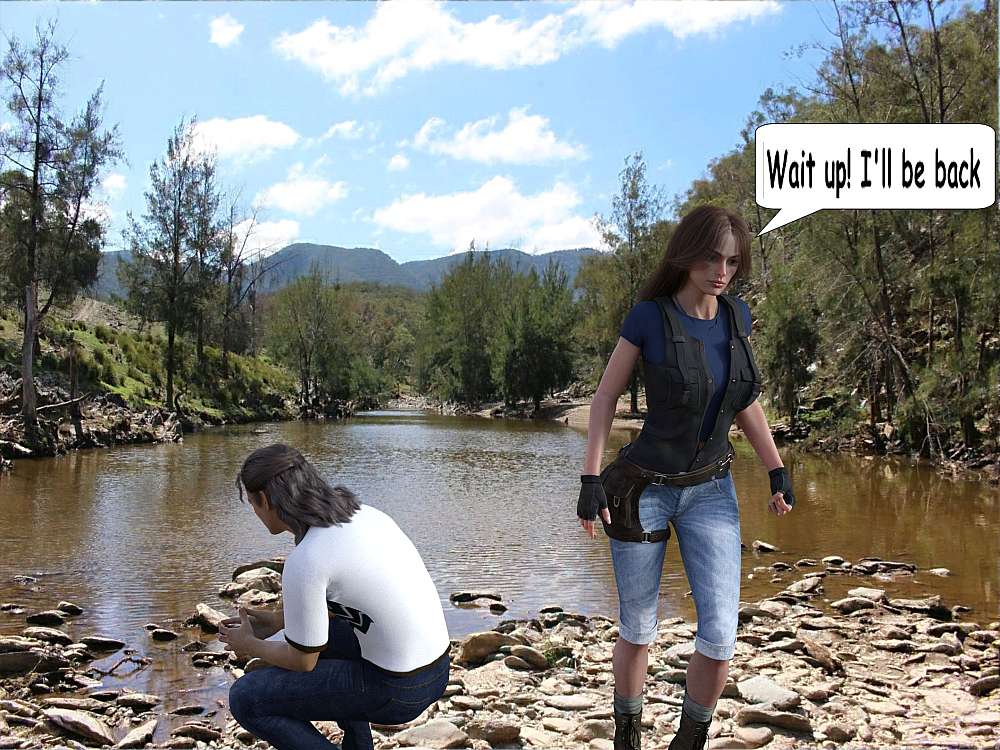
{"x":700,"y":377}
{"x":361,"y":636}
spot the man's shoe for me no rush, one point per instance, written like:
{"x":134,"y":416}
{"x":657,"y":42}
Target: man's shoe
{"x":691,"y":735}
{"x":627,"y":728}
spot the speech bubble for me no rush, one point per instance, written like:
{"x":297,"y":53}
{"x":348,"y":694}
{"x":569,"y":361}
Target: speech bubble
{"x":804,"y":168}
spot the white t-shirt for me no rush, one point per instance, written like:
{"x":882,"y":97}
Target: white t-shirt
{"x":368,"y":572}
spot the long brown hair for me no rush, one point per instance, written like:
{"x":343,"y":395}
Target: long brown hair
{"x":695,"y":238}
{"x":298,"y":493}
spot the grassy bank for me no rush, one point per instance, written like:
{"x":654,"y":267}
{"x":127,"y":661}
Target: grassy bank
{"x":115,"y":358}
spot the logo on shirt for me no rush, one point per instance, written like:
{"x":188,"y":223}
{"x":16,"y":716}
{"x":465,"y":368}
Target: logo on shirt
{"x":358,"y":619}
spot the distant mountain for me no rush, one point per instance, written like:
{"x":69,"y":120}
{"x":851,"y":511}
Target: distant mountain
{"x":428,"y":272}
{"x":347,"y":265}
{"x":338,"y":263}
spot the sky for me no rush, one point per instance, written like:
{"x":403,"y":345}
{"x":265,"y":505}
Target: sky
{"x":415,"y":128}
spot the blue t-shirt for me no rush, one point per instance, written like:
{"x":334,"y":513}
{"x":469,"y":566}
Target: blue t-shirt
{"x":643,"y":327}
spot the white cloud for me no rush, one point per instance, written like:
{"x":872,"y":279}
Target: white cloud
{"x":114,"y":185}
{"x":398,"y":163}
{"x":244,"y":138}
{"x":610,"y":23}
{"x":226,"y":30}
{"x":268,"y":237}
{"x":349,"y":130}
{"x":404,"y":37}
{"x":525,"y":139}
{"x":301,"y":193}
{"x":495,"y":213}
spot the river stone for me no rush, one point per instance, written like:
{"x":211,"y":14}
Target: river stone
{"x":139,"y":736}
{"x":985,"y":685}
{"x":943,"y":572}
{"x":137,"y":701}
{"x":69,"y":608}
{"x":209,"y":619}
{"x":436,"y":733}
{"x":276,"y":564}
{"x":233,"y":590}
{"x":834,"y":560}
{"x":876,"y":595}
{"x":885,"y":708}
{"x":822,"y":654}
{"x":594,"y":729}
{"x":571,"y":702}
{"x":81,"y":724}
{"x":49,"y":618}
{"x":760,"y":689}
{"x":838,"y":731}
{"x":516,"y":662}
{"x":189,"y":709}
{"x":75,"y":704}
{"x":260,"y":579}
{"x":37,"y":659}
{"x":476,"y":647}
{"x":819,"y":623}
{"x":466,"y":703}
{"x":197,"y":730}
{"x":759,"y":546}
{"x":49,"y":635}
{"x":753,"y":736}
{"x":808,"y":585}
{"x":493,"y":730}
{"x":981,"y":718}
{"x":930,"y":606}
{"x":253,"y":598}
{"x":535,"y":658}
{"x":183,"y":743}
{"x":852,"y":604}
{"x":949,"y":701}
{"x":163,"y":635}
{"x":782,"y":719}
{"x":102,"y":643}
{"x":468,"y":597}
{"x":679,"y":655}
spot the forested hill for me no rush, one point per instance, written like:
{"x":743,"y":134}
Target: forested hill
{"x":362,"y":264}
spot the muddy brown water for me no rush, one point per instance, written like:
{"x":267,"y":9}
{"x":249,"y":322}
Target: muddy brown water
{"x":142,"y":534}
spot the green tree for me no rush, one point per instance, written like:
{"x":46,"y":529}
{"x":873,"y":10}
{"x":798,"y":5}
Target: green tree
{"x":161,"y":275}
{"x":50,"y":168}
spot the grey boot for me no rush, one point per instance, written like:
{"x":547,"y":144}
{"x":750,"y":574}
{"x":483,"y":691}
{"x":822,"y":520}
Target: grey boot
{"x":691,"y":735}
{"x":627,"y":727}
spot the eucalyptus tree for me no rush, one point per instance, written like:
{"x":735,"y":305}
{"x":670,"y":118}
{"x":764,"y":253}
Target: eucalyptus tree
{"x":50,"y":170}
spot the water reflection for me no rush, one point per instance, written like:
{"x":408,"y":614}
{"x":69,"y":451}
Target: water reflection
{"x":142,"y":534}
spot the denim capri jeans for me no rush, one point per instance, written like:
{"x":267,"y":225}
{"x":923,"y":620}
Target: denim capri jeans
{"x":706,"y":521}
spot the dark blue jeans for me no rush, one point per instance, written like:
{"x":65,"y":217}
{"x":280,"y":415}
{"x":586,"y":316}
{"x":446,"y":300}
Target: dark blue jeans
{"x":277,"y":705}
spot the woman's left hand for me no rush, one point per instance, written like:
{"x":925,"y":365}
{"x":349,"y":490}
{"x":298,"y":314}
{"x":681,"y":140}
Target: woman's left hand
{"x":778,"y":504}
{"x":238,"y":637}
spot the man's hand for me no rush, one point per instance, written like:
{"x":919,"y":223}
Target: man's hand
{"x":592,"y":499}
{"x":782,"y":497}
{"x":238,"y":634}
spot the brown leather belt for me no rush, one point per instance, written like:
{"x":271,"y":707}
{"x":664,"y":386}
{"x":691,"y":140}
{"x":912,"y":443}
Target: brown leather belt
{"x":688,"y":478}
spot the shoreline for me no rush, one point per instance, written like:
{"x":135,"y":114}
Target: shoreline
{"x":122,"y":425}
{"x":866,"y":670}
{"x":575,"y":412}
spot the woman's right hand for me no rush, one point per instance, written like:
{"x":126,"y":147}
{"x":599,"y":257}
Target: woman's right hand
{"x":265,"y":622}
{"x":592,"y":499}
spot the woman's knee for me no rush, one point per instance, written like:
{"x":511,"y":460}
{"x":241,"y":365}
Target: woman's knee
{"x":242,"y":699}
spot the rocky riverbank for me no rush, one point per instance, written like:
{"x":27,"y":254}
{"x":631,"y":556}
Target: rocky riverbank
{"x":865,"y":671}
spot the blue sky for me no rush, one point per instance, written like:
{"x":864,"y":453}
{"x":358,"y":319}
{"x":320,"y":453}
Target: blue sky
{"x":415,"y":128}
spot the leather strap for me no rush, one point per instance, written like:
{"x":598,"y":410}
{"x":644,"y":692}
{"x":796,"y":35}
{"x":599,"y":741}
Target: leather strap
{"x":688,"y":478}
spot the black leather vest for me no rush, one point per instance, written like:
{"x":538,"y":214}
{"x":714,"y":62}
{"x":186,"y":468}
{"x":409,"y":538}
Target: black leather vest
{"x":678,"y":393}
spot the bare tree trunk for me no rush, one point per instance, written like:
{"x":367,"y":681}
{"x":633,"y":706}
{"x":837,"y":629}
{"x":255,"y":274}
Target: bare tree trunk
{"x":170,"y":365}
{"x":29,"y":399}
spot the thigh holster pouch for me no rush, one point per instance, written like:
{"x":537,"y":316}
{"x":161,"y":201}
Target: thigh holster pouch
{"x":623,"y":483}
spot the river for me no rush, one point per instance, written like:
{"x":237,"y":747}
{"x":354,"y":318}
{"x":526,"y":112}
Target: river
{"x":142,"y":534}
